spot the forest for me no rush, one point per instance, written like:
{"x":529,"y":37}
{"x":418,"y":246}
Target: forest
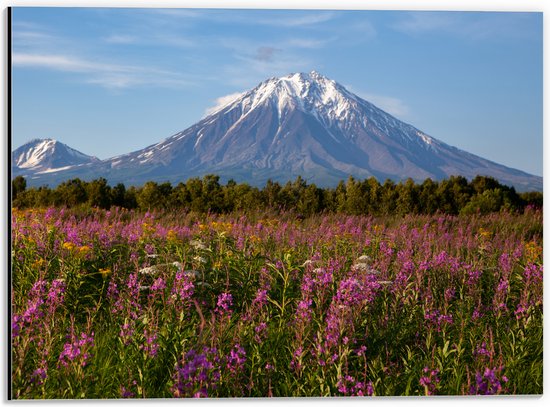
{"x":452,"y":196}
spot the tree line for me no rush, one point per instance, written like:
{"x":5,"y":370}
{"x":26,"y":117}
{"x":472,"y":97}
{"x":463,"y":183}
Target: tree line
{"x":455,"y":195}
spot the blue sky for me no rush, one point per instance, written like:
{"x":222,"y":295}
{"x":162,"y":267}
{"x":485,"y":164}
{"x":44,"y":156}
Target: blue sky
{"x":110,"y":81}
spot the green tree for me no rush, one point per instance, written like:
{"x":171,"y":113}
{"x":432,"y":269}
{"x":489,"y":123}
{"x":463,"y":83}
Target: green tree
{"x":196,"y":198}
{"x":356,"y":204}
{"x":70,"y":193}
{"x":310,"y":200}
{"x":118,"y":195}
{"x":150,"y":196}
{"x":18,"y":185}
{"x":271,"y":194}
{"x":407,"y":197}
{"x":99,"y":193}
{"x":491,"y":200}
{"x":388,"y":201}
{"x":212,"y":193}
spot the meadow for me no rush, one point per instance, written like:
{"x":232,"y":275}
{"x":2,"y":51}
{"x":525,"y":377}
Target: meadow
{"x":132,"y":304}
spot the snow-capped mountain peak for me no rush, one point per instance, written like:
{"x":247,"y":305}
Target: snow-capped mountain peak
{"x":46,"y":155}
{"x":35,"y":153}
{"x":308,"y":92}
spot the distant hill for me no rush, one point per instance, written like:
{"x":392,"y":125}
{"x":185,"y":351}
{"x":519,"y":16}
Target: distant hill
{"x":46,"y":156}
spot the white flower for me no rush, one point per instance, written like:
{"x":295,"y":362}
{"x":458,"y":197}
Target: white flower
{"x":197,"y":244}
{"x":364,"y":267}
{"x":149,"y":270}
{"x":364,"y":259}
{"x":191,"y":273}
{"x":199,"y":259}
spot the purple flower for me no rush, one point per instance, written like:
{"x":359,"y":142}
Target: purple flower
{"x":125,"y":393}
{"x":56,"y":294}
{"x":224,"y":303}
{"x":40,"y":374}
{"x":196,"y":374}
{"x":236,"y":359}
{"x":261,"y":298}
{"x":349,"y":386}
{"x":296,"y":363}
{"x":437,"y":319}
{"x":260,"y":332}
{"x":183,"y":289}
{"x":16,"y":325}
{"x":158,"y":284}
{"x":482,"y":350}
{"x":77,"y":350}
{"x":304,"y":311}
{"x":430,"y":380}
{"x":151,"y":346}
{"x":126,"y":332}
{"x":489,"y":382}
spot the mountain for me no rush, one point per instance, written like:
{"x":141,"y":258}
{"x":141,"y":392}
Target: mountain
{"x":301,"y":124}
{"x":44,"y":156}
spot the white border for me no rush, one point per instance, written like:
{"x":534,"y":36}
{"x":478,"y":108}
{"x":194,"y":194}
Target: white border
{"x":472,"y":5}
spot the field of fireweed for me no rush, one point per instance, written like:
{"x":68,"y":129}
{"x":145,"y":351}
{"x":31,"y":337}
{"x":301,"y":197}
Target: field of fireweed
{"x":111,"y":304}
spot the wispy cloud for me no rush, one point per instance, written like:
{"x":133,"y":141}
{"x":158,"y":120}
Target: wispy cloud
{"x":60,"y":62}
{"x":105,"y":74}
{"x":277,"y":18}
{"x":297,"y":21}
{"x":308,"y":43}
{"x":420,"y":22}
{"x":121,"y":39}
{"x":392,"y":105}
{"x":475,"y":26}
{"x":177,"y":12}
{"x":222,"y":101}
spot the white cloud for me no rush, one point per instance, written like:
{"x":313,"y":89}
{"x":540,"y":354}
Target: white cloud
{"x":389,"y":104}
{"x":223,"y":101}
{"x":121,"y":39}
{"x":475,"y":26}
{"x":417,"y":22}
{"x":299,"y":21}
{"x":308,"y":43}
{"x":59,"y":62}
{"x":104,"y":74}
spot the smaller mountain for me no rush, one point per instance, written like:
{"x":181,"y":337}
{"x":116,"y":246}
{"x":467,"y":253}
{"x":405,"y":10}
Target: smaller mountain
{"x":42,"y":156}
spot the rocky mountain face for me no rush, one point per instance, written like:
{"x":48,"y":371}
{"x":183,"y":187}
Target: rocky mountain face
{"x":301,"y":124}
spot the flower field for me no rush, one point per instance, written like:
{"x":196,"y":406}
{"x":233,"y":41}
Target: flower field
{"x":116,"y":304}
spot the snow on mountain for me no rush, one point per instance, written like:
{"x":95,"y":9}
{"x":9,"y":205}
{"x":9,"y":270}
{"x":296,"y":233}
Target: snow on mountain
{"x":47,"y":155}
{"x":301,"y":124}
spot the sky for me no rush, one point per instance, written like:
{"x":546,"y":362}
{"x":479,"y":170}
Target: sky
{"x":108,"y":81}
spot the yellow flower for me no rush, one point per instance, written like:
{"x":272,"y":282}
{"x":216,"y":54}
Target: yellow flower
{"x":68,"y":245}
{"x":532,"y":251}
{"x":39,"y":263}
{"x":171,"y":236}
{"x":84,"y":249}
{"x":484,"y":233}
{"x":105,"y":272}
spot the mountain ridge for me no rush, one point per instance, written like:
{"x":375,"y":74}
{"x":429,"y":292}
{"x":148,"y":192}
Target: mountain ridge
{"x":300,"y":124}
